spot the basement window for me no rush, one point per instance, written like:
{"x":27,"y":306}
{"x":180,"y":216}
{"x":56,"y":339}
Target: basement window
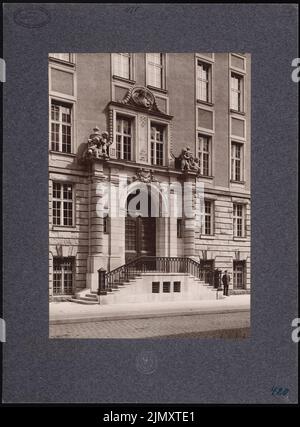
{"x":177,"y":287}
{"x":166,"y":287}
{"x":155,"y":287}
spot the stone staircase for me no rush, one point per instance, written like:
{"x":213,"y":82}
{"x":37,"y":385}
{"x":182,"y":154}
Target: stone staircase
{"x":138,"y":289}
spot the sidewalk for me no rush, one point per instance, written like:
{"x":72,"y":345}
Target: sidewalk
{"x":69,"y":312}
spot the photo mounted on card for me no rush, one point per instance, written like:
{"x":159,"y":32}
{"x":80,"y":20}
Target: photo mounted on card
{"x":150,"y":204}
{"x":149,"y":194}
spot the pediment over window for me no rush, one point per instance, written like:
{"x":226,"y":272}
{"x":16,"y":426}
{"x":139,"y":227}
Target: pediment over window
{"x":141,"y":98}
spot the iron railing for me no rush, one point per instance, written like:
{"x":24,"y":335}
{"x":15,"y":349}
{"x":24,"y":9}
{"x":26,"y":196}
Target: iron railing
{"x":148,"y":264}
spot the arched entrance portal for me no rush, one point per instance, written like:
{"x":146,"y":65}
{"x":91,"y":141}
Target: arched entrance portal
{"x":140,"y":225}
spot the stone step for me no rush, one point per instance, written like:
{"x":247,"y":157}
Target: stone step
{"x":83,"y":301}
{"x":88,"y":298}
{"x":91,"y":296}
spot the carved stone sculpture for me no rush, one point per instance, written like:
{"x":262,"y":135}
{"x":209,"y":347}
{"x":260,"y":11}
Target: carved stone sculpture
{"x":98,"y":145}
{"x":188,"y":162}
{"x":144,"y":175}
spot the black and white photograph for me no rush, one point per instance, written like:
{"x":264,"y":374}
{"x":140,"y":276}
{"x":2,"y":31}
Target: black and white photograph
{"x":149,"y":195}
{"x":150,"y":210}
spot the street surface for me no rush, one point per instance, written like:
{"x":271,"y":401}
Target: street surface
{"x":224,"y":325}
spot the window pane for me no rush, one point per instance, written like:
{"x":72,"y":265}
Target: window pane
{"x":61,"y":117}
{"x":56,"y":206}
{"x":124,"y":138}
{"x":204,"y":154}
{"x":157,"y":144}
{"x":66,"y":139}
{"x":122,"y":65}
{"x":236,"y":92}
{"x":62,"y":56}
{"x":155,"y":69}
{"x":68,"y":213}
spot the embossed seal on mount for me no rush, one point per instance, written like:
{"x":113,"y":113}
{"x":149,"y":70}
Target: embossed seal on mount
{"x":32,"y":17}
{"x":146,"y":362}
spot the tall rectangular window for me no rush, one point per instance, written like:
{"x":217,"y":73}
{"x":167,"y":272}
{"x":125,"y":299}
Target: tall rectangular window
{"x":238,"y":274}
{"x":122,"y":65}
{"x":157,"y":144}
{"x":237,"y":92}
{"x":62,"y":204}
{"x":207,"y":228}
{"x":203,"y":81}
{"x":204,"y":154}
{"x":63,"y":270}
{"x":236,"y":161}
{"x":238,"y":220}
{"x":179,"y":228}
{"x":124,"y":138}
{"x":155,"y":70}
{"x":61,"y":127}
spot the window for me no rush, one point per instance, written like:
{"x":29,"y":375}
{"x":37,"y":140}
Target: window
{"x":238,"y":220}
{"x":203,"y":81}
{"x":61,"y":127}
{"x":155,"y":70}
{"x":236,"y":161}
{"x":106,"y":224}
{"x":157,"y":144}
{"x":122,"y":65}
{"x":62,"y":56}
{"x":177,"y":287}
{"x":204,"y":150}
{"x":62,"y":204}
{"x":124,"y":138}
{"x":237,"y":89}
{"x":238,"y":274}
{"x":63,"y":269}
{"x":207,"y":227}
{"x":166,"y":287}
{"x":155,"y":287}
{"x":179,"y":228}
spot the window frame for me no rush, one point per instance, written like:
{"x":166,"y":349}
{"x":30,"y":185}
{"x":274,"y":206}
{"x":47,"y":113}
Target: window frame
{"x":131,"y":66}
{"x":163,"y":57}
{"x":155,"y":142}
{"x":62,"y":275}
{"x":71,"y":60}
{"x":200,"y":152}
{"x":106,"y":224}
{"x":65,"y":104}
{"x":211,"y":216}
{"x":123,"y":117}
{"x":233,"y":162}
{"x":241,"y":78}
{"x":208,"y":100}
{"x":62,"y":200}
{"x":243,"y":273}
{"x":236,"y":217}
{"x":179,"y":226}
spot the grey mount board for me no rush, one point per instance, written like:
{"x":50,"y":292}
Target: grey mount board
{"x":37,"y":369}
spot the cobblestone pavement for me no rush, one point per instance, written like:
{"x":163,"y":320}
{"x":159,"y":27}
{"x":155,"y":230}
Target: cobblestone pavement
{"x":182,"y":326}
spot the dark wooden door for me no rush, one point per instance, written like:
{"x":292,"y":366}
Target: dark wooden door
{"x":140,"y":237}
{"x":208,"y":267}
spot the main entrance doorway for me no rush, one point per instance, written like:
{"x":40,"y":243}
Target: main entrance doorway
{"x":139,"y":237}
{"x":140,"y":233}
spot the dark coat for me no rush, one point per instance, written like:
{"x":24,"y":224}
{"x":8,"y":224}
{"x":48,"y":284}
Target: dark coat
{"x":225,"y":279}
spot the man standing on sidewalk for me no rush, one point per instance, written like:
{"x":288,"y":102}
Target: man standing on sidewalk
{"x":225,"y":281}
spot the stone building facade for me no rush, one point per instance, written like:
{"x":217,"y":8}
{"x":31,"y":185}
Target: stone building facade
{"x":152,"y":107}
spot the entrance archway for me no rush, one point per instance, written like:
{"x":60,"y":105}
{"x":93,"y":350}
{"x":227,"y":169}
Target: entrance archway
{"x":140,"y":226}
